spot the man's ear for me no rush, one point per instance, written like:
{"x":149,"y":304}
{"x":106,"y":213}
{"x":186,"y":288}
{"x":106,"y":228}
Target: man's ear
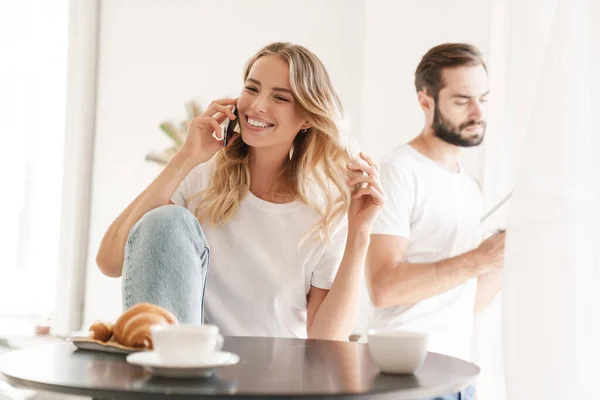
{"x":426,"y":102}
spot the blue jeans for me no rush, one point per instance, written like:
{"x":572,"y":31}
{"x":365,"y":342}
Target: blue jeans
{"x":166,"y":263}
{"x":467,"y":394}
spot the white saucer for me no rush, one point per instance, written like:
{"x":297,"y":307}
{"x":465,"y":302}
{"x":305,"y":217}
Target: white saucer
{"x":150,"y":361}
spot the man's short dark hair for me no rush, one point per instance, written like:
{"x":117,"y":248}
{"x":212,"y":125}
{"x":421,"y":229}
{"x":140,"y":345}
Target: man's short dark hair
{"x":428,"y":76}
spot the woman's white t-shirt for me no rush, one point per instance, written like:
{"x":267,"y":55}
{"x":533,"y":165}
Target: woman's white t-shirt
{"x":259,"y":275}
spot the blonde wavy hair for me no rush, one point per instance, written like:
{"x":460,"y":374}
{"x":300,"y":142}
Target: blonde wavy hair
{"x":316,"y":172}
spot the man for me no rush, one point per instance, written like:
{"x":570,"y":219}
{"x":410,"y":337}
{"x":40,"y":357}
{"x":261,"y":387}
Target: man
{"x":427,"y":269}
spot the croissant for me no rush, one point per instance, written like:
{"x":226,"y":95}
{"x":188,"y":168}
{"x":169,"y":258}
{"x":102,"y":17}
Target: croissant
{"x":132,"y":328}
{"x":102,"y":331}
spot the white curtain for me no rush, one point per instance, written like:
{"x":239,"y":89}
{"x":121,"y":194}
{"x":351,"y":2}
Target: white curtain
{"x":550,"y":300}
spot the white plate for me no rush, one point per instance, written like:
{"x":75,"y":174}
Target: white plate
{"x":86,"y":343}
{"x":150,"y":361}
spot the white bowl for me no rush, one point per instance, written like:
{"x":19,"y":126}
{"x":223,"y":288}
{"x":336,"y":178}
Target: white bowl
{"x":397,"y":351}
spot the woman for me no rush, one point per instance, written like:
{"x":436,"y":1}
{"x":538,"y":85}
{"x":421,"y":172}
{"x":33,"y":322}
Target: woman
{"x":285,"y":210}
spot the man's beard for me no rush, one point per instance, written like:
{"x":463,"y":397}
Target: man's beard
{"x":451,"y":134}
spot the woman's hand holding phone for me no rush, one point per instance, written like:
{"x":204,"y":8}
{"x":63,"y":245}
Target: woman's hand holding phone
{"x":204,"y":132}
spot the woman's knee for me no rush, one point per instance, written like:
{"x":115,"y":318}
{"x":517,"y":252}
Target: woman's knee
{"x":167,"y":217}
{"x":167,"y":223}
{"x":166,"y":234}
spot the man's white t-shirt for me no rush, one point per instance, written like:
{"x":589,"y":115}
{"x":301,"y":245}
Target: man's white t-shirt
{"x":438,"y":211}
{"x":259,"y":277}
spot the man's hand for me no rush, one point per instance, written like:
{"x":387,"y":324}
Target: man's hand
{"x":491,"y":252}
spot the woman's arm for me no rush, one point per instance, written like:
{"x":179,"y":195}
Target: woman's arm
{"x":200,"y":146}
{"x":112,"y":248}
{"x":332,"y":313}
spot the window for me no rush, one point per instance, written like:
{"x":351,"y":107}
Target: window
{"x":33,"y":75}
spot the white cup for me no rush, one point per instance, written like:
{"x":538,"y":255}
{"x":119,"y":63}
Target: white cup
{"x":186,"y":344}
{"x":397,"y":351}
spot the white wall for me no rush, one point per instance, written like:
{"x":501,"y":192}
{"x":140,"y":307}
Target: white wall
{"x":156,"y":55}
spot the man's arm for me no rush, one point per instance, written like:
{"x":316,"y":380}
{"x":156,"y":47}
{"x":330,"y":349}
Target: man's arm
{"x":488,"y":287}
{"x":393,"y":282}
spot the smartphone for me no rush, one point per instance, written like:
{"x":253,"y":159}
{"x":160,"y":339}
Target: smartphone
{"x":230,"y":125}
